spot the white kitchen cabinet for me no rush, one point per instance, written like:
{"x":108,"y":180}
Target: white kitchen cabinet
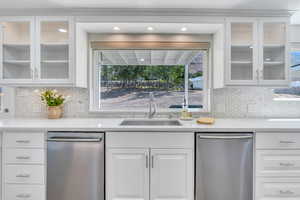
{"x":23,"y":165}
{"x":277,"y":166}
{"x":277,"y":189}
{"x":54,"y":49}
{"x":171,"y":174}
{"x":37,"y":50}
{"x":17,"y":49}
{"x":128,"y":175}
{"x":257,"y":51}
{"x":149,"y":165}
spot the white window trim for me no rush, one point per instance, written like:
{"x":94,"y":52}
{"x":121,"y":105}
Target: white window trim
{"x":294,"y":46}
{"x":95,"y":97}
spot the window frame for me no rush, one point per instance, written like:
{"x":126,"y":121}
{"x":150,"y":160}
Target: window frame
{"x":294,"y":46}
{"x":95,"y":94}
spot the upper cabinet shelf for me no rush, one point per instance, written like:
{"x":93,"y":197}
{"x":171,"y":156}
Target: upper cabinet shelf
{"x":42,"y":46}
{"x":257,"y":51}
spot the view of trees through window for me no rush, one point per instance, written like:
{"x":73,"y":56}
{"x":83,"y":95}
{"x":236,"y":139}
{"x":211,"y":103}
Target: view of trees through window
{"x":294,"y":90}
{"x":124,"y":87}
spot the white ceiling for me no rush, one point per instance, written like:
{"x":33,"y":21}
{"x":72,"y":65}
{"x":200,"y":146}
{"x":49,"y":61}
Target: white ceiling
{"x":148,"y":57}
{"x":197,"y":4}
{"x":173,"y":28}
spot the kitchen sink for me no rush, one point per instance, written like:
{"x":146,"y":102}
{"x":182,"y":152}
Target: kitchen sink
{"x":150,"y":123}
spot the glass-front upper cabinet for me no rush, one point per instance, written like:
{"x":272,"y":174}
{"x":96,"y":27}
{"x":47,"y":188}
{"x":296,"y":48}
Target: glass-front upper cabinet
{"x":242,"y":42}
{"x":54,"y":48}
{"x":274,"y":52}
{"x":16,"y":49}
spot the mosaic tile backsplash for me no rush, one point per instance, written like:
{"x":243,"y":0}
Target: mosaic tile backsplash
{"x":246,"y":102}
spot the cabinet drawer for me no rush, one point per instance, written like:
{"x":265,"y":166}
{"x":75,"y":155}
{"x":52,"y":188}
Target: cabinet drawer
{"x":278,"y":162}
{"x":277,"y":189}
{"x":278,"y":140}
{"x":150,"y":140}
{"x":31,"y":174}
{"x":21,"y":192}
{"x":24,"y":156}
{"x":33,"y":140}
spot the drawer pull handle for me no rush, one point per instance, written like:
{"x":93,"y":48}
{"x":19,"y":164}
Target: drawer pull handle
{"x":287,"y":142}
{"x":23,"y":175}
{"x":286,"y":192}
{"x":23,"y":157}
{"x":23,"y":196}
{"x":23,"y":141}
{"x":286,"y":164}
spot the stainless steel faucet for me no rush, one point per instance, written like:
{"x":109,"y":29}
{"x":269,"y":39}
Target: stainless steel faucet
{"x":152,"y":106}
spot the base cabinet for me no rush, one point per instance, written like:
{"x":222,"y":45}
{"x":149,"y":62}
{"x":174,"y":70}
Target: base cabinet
{"x":171,"y":174}
{"x":128,"y":174}
{"x":155,"y":174}
{"x":150,"y":166}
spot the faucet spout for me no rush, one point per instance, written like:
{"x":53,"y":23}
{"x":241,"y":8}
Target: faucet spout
{"x":152,"y":106}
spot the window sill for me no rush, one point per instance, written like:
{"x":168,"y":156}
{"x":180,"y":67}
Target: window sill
{"x":287,"y":99}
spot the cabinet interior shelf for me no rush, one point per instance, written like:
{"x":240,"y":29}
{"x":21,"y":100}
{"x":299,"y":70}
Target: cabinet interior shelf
{"x":241,"y":62}
{"x":242,"y":45}
{"x":273,"y":63}
{"x":273,"y":45}
{"x":55,"y":44}
{"x":16,"y":61}
{"x":16,"y":45}
{"x":54,"y":61}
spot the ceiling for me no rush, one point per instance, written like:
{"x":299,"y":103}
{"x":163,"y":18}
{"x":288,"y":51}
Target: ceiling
{"x":197,"y":4}
{"x":150,"y":57}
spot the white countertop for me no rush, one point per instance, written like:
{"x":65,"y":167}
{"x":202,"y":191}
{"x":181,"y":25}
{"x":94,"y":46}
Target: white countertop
{"x":97,"y":124}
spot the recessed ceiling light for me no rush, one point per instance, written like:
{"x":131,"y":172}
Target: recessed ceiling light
{"x":183,"y":29}
{"x":142,"y":59}
{"x":150,"y":28}
{"x":62,"y":30}
{"x":116,"y":28}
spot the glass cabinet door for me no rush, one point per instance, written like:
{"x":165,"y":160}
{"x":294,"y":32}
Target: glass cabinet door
{"x":16,"y":50}
{"x":274,"y":51}
{"x":242,"y":45}
{"x":54,"y":50}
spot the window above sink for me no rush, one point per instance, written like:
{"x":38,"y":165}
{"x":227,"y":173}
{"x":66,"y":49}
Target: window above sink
{"x":123,"y":78}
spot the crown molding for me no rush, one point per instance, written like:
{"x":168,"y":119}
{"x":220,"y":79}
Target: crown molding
{"x":146,"y":12}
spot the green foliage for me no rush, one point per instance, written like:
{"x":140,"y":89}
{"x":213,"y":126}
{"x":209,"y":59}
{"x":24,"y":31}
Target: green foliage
{"x":52,"y":98}
{"x":162,"y":73}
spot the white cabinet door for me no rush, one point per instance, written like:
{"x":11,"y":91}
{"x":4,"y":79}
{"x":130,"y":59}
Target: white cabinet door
{"x":17,"y":49}
{"x":172,"y":174}
{"x":127,"y":174}
{"x":54,"y":49}
{"x":242,"y":52}
{"x":273,"y":51}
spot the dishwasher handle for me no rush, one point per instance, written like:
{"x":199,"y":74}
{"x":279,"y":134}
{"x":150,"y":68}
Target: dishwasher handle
{"x":74,"y":139}
{"x":225,"y":136}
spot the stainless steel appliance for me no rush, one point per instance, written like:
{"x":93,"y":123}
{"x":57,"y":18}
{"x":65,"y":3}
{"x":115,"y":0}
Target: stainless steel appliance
{"x":75,"y":166}
{"x":224,"y":166}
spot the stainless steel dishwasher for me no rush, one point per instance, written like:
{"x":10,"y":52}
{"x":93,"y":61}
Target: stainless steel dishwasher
{"x":75,"y":166}
{"x":224,"y":166}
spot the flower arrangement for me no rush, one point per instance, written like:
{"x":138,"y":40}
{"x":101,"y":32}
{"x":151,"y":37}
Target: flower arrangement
{"x":54,"y":101}
{"x":52,"y":98}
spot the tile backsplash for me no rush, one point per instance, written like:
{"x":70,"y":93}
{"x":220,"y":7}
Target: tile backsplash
{"x":242,"y":102}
